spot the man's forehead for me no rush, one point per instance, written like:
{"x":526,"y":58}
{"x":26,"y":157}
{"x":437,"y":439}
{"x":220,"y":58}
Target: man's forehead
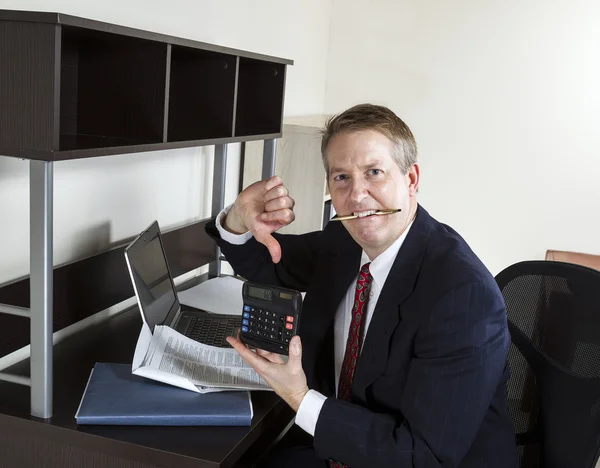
{"x":343,"y":161}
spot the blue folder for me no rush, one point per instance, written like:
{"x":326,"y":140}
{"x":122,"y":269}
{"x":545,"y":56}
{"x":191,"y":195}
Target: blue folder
{"x":114,"y":396}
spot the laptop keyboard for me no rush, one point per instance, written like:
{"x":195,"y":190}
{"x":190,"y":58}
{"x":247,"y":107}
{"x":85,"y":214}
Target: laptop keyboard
{"x":210,"y":331}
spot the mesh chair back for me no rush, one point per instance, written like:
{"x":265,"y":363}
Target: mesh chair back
{"x":554,"y":391}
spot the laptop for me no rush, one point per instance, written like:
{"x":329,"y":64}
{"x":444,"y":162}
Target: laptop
{"x":156,"y":296}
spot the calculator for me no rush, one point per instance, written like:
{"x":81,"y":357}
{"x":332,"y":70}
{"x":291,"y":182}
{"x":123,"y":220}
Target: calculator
{"x":270,"y":316}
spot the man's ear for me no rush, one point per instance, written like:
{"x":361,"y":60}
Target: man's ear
{"x":413,"y":175}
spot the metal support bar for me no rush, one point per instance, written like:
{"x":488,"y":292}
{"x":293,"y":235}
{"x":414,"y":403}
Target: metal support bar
{"x":218,"y":199}
{"x":41,"y":293}
{"x":14,"y":310}
{"x":18,"y":379}
{"x":268,"y":165}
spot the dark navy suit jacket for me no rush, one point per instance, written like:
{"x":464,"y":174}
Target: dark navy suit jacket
{"x":429,"y":389}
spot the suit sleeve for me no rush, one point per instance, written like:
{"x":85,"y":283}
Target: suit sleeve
{"x":459,"y":357}
{"x":252,"y":260}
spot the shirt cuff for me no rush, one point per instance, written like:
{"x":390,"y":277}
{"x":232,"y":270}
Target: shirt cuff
{"x":309,"y":410}
{"x":235,"y":239}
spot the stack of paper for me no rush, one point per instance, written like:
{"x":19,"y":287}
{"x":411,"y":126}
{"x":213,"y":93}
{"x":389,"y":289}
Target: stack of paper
{"x":170,"y":357}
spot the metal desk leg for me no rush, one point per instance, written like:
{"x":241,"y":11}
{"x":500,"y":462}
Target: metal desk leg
{"x":218,"y":199}
{"x":268,"y":166}
{"x":40,"y":202}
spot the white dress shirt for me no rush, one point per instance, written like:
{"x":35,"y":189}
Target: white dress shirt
{"x":310,"y":407}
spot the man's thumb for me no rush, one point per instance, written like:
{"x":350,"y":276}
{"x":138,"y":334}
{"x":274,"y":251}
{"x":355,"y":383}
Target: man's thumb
{"x":271,"y":243}
{"x":295,"y":351}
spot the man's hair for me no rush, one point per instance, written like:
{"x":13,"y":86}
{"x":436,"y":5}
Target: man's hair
{"x":373,"y":117}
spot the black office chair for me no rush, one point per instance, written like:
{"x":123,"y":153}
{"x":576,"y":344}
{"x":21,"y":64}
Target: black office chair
{"x":554,"y":390}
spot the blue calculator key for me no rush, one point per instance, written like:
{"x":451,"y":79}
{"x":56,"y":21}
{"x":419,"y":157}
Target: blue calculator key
{"x":247,"y":308}
{"x":246,"y":315}
{"x":244,"y":329}
{"x":245,"y":322}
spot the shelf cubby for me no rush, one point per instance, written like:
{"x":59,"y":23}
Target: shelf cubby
{"x":112,"y":90}
{"x":201,"y":93}
{"x":260,"y":97}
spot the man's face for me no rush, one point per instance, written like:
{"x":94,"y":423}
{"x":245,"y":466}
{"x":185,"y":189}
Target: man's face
{"x":364,"y":176}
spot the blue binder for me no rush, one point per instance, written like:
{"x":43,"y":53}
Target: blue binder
{"x":114,"y":396}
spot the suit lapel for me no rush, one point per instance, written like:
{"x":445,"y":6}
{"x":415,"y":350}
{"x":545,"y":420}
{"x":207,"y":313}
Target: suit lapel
{"x":386,"y":316}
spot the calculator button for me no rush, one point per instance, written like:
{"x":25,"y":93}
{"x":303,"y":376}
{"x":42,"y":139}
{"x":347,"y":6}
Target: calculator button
{"x":289,"y":318}
{"x":289,"y":326}
{"x":245,"y":322}
{"x":244,"y":329}
{"x":246,"y":315}
{"x":246,"y":308}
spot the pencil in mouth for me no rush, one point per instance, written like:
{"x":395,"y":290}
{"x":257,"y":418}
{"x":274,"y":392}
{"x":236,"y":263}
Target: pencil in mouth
{"x":377,"y":212}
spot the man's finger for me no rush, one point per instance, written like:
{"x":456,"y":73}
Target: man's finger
{"x":284,"y":216}
{"x":272,"y":183}
{"x":251,"y":358}
{"x":276,"y":192}
{"x":273,"y":357}
{"x":280,"y":203}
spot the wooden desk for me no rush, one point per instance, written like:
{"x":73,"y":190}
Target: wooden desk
{"x":26,"y":441}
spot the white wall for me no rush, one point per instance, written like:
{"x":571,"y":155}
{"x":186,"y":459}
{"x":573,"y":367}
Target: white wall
{"x":503,"y":98}
{"x":102,"y":201}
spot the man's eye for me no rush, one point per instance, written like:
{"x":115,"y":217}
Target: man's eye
{"x":340,"y":177}
{"x":375,"y":171}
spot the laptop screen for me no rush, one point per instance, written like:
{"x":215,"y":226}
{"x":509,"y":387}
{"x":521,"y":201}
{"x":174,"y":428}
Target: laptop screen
{"x":151,"y":277}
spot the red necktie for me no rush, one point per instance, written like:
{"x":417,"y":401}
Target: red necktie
{"x":355,"y":337}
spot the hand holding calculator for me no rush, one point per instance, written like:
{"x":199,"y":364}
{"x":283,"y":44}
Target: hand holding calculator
{"x":270,"y":317}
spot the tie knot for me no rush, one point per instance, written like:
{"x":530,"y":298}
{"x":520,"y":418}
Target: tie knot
{"x":365,"y":274}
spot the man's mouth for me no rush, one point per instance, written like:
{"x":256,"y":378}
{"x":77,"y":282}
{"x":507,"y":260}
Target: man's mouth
{"x":363,"y":214}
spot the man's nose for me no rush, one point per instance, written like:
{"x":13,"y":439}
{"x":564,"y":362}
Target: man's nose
{"x":359,"y":191}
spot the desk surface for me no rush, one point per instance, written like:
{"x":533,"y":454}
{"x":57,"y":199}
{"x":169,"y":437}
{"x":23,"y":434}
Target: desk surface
{"x":27,"y":441}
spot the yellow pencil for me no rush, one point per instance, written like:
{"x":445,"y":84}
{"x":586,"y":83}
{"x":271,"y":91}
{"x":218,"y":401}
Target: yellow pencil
{"x":379,"y":212}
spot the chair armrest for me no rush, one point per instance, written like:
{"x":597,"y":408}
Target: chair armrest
{"x":578,"y":258}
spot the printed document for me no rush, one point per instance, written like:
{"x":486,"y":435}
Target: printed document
{"x":172,"y":358}
{"x":208,"y":368}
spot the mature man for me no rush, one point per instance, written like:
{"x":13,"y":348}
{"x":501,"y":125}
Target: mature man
{"x":401,"y":355}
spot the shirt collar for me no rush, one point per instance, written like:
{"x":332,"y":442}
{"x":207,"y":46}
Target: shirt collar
{"x":381,"y":266}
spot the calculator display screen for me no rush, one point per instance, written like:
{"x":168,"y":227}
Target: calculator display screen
{"x":260,"y":293}
{"x":284,"y":295}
